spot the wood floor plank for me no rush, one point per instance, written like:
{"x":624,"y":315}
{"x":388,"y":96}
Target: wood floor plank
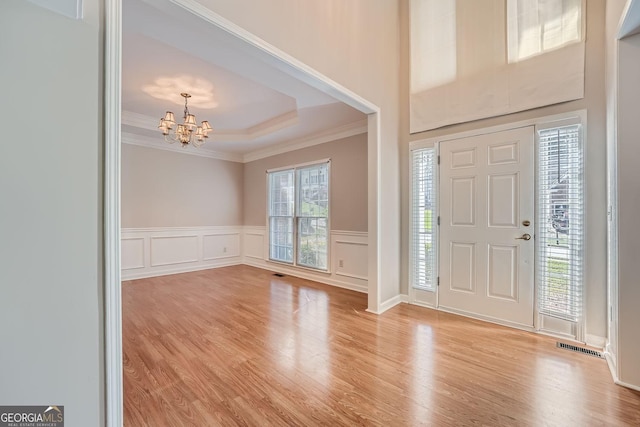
{"x":239,"y":346}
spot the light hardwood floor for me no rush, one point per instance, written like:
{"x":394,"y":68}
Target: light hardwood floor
{"x":239,"y":346}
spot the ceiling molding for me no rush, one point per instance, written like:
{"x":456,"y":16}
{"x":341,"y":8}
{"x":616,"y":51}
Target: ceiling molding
{"x":141,"y":121}
{"x":630,"y":20}
{"x":266,"y":127}
{"x":274,"y":56}
{"x":345,"y":131}
{"x":160,"y":144}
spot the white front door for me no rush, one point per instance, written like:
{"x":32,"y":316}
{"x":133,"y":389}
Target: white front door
{"x":486,"y":213}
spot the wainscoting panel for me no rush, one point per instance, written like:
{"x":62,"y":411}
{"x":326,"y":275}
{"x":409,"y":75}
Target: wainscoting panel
{"x":254,"y":243}
{"x":348,"y":252}
{"x":173,"y":250}
{"x":149,"y":252}
{"x":132,"y":253}
{"x":218,"y":246}
{"x":350,"y":257}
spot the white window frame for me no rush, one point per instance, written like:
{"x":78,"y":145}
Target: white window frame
{"x":420,"y":295}
{"x":296,"y":217}
{"x":548,"y":322}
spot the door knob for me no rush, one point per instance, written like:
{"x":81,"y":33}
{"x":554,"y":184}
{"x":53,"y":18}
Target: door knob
{"x":525,"y":236}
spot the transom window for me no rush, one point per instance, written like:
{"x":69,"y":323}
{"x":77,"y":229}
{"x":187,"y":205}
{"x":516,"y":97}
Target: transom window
{"x":299,"y":215}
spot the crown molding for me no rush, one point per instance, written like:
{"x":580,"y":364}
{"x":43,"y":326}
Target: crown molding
{"x":345,"y":131}
{"x":266,"y":127}
{"x":159,"y":144}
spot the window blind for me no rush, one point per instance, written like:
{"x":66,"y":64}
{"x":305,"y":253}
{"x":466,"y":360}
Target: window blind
{"x":560,"y":236}
{"x":423,"y":219}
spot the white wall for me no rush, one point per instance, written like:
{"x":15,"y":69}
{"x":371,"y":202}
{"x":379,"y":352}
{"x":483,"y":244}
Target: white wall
{"x":51,"y":318}
{"x":594,"y":102}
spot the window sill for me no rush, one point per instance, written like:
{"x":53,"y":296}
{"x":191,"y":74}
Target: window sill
{"x":300,"y":267}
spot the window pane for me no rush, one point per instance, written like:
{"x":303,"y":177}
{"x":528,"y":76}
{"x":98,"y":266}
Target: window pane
{"x":281,"y":239}
{"x":538,"y":26}
{"x":313,"y":191}
{"x":423,"y":219}
{"x":560,"y":221}
{"x":307,"y":190}
{"x":281,"y":193}
{"x":312,"y":242}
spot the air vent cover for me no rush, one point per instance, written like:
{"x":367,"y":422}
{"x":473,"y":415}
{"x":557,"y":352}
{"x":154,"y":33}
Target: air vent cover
{"x":582,"y":350}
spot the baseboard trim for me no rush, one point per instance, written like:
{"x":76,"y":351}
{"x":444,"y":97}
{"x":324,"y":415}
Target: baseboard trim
{"x":134,"y":275}
{"x":254,"y":262}
{"x":390,"y":303}
{"x":627,"y":385}
{"x":614,"y":371}
{"x":595,"y":341}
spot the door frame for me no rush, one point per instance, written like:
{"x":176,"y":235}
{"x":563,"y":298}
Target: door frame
{"x":536,"y":122}
{"x":112,"y":161}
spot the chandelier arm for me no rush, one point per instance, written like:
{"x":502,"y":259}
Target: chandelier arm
{"x":184,"y":132}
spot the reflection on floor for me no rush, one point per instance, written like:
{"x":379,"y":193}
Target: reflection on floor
{"x":239,"y":346}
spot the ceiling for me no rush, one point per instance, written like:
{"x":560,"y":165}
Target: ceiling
{"x":254,"y":108}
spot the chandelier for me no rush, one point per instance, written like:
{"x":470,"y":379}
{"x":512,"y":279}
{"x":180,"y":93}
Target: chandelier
{"x":188,"y":131}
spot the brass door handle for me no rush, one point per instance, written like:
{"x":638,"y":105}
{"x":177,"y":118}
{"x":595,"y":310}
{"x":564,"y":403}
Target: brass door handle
{"x":525,"y":236}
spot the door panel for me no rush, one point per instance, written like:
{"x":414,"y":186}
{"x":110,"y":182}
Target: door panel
{"x":486,"y":193}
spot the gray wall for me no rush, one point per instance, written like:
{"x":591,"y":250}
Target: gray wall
{"x":348,"y":181}
{"x":594,"y":102}
{"x":51,"y":317}
{"x":167,"y":189}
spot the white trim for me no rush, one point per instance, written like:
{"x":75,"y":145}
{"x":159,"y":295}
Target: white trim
{"x":216,"y":229}
{"x":299,"y":166}
{"x":353,"y":276}
{"x":159,"y":144}
{"x":112,"y":281}
{"x":390,"y":303}
{"x":428,"y":142}
{"x":296,"y":217}
{"x":304,"y":273}
{"x":488,"y":319}
{"x":424,"y":304}
{"x":595,"y":341}
{"x":207,"y":247}
{"x":614,"y":375}
{"x":336,"y":277}
{"x":266,"y":127}
{"x":629,"y":20}
{"x":349,"y":233}
{"x":137,"y":120}
{"x":283,"y":61}
{"x":345,"y":131}
{"x":166,"y":271}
